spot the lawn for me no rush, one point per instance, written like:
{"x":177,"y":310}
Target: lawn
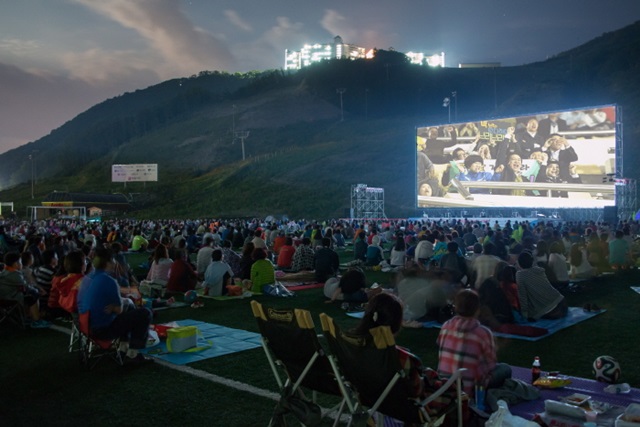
{"x":43,"y":384}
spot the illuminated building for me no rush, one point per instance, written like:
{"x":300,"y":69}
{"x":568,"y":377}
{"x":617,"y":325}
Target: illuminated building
{"x":311,"y":54}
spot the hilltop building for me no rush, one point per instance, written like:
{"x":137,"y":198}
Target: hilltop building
{"x":310,"y":54}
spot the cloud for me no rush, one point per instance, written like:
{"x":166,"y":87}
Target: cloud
{"x":236,"y":20}
{"x":18,"y":46}
{"x":338,"y":25}
{"x":101,"y":67}
{"x":183,"y":48}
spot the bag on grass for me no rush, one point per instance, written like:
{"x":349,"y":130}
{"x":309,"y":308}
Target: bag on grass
{"x":185,"y":338}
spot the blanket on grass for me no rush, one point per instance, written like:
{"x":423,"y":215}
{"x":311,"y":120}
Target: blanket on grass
{"x":636,"y":289}
{"x":225,"y":341}
{"x":574,"y":316}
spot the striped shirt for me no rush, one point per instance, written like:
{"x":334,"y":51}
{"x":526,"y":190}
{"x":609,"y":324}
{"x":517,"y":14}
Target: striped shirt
{"x":537,"y":296}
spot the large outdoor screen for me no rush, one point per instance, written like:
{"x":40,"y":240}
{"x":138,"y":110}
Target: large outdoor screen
{"x":559,"y":159}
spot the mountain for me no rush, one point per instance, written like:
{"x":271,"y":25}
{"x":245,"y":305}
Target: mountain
{"x":301,"y":157}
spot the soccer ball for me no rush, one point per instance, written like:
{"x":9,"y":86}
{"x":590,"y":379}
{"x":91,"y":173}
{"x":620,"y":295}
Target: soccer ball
{"x":606,"y":369}
{"x":190,"y":297}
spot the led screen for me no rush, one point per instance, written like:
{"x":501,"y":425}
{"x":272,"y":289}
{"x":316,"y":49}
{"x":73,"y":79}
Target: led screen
{"x":560,"y":159}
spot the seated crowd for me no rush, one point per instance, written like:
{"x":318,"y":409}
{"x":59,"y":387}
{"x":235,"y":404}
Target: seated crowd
{"x":469,"y":276}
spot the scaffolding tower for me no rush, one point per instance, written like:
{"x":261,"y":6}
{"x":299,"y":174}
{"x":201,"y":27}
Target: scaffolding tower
{"x":367,"y":202}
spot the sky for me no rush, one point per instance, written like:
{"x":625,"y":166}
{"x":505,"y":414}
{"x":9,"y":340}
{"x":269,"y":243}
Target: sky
{"x":60,"y":57}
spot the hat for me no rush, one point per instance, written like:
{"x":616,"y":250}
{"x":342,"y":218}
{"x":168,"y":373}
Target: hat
{"x":474,"y":158}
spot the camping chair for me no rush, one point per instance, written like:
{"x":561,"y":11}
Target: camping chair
{"x":12,"y":311}
{"x":371,"y":365}
{"x":92,"y":349}
{"x":290,"y":343}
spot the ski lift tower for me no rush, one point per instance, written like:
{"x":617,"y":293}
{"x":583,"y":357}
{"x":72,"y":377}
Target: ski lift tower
{"x":367,"y":202}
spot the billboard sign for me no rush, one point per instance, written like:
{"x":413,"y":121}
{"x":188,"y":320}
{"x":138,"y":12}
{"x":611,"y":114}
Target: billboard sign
{"x":558,"y":159}
{"x":134,"y":173}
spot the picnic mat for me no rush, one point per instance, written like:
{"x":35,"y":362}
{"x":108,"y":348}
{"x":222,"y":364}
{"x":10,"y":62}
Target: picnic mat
{"x":636,"y":289}
{"x":574,"y":316}
{"x":586,"y":386}
{"x":225,"y":341}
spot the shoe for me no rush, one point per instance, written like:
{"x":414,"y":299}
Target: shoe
{"x":140,"y":359}
{"x":197,"y":304}
{"x":587,"y":307}
{"x":595,"y":307}
{"x":170,"y":301}
{"x":38,"y":324}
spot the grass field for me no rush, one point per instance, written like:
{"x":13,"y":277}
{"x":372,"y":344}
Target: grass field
{"x":43,"y":384}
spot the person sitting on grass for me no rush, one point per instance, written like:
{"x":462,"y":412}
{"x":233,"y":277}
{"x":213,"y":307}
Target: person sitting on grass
{"x":385,"y":309}
{"x":325,"y":261}
{"x":285,"y":257}
{"x":375,"y":254}
{"x":464,"y":343}
{"x":352,"y":287}
{"x":217,"y":276}
{"x":303,"y":259}
{"x":360,"y":247}
{"x":262,"y":271}
{"x":159,"y":271}
{"x":538,"y":298}
{"x":138,"y":242}
{"x":13,"y":287}
{"x":182,"y":276}
{"x":110,"y":317}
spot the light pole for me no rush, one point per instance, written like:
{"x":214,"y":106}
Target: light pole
{"x":31,"y":158}
{"x":447,"y":104}
{"x":341,"y":91}
{"x":454,"y":95}
{"x":366,"y":104}
{"x":242,"y":135}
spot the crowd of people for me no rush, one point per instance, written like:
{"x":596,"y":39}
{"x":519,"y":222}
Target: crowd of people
{"x":472,"y":276}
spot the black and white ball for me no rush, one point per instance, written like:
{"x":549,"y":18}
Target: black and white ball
{"x":606,"y":369}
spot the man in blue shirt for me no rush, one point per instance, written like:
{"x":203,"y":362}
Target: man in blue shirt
{"x":110,"y":316}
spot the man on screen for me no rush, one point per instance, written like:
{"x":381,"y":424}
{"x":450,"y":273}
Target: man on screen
{"x":434,"y":146}
{"x":552,"y":124}
{"x":530,"y":138}
{"x":559,"y":150}
{"x":552,"y":175}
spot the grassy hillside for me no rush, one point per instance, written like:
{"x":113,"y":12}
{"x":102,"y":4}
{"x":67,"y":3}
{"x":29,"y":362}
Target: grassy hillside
{"x":301,"y":159}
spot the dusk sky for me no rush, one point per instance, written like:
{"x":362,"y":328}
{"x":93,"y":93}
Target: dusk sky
{"x":60,"y":57}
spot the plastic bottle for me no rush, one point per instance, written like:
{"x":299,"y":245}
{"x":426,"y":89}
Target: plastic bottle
{"x":535,"y":369}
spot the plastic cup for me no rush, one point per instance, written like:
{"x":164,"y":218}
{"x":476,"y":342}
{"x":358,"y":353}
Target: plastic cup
{"x":591,"y":416}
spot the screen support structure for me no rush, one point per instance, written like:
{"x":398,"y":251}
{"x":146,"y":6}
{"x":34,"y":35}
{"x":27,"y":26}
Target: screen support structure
{"x":626,"y":190}
{"x":367,"y":202}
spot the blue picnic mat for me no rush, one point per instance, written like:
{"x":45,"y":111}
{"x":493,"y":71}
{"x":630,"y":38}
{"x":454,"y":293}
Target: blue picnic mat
{"x":574,"y":316}
{"x":225,"y":341}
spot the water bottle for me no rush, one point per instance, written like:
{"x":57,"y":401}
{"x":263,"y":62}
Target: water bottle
{"x":535,"y":369}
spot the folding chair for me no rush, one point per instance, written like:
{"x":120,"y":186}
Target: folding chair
{"x":290,"y":343}
{"x":12,"y":311}
{"x":370,"y":365}
{"x":92,"y":349}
